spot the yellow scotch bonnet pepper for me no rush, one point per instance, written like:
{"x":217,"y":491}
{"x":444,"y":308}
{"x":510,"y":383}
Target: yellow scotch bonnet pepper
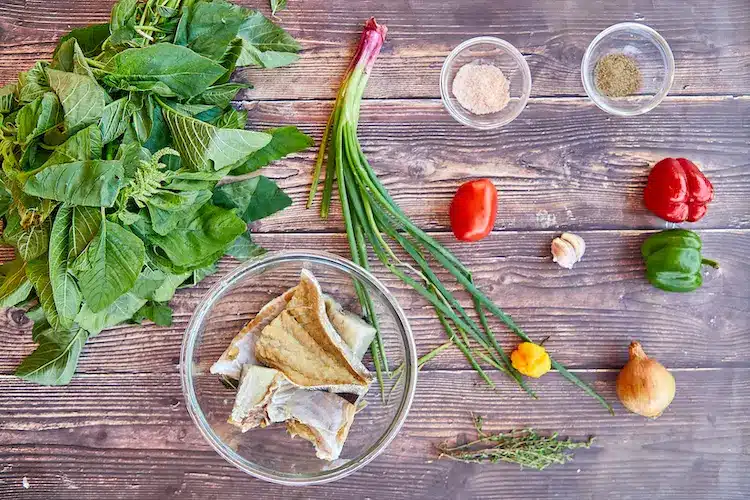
{"x":531,"y":359}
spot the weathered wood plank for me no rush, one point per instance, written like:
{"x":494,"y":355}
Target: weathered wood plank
{"x":710,"y":40}
{"x":563,"y":164}
{"x":591,"y":313}
{"x":131,"y":436}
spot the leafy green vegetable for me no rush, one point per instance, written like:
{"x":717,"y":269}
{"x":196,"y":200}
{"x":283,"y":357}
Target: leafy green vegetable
{"x":109,"y":266}
{"x":160,"y":314}
{"x":253,"y":198}
{"x":204,"y":147}
{"x":81,"y":97}
{"x":15,"y":287}
{"x":93,"y":183}
{"x":37,"y":270}
{"x":111,"y":156}
{"x":56,"y":358}
{"x":284,"y":141}
{"x":65,"y":292}
{"x":243,"y":248}
{"x":30,"y":241}
{"x":265,"y":44}
{"x":210,"y":231}
{"x":37,"y":117}
{"x":277,"y":5}
{"x":166,"y":69}
{"x":120,"y":310}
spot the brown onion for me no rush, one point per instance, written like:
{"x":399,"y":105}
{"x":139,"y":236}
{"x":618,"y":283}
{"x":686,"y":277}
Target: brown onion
{"x":644,"y":386}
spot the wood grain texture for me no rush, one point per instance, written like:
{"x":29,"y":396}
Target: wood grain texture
{"x":121,"y":428}
{"x":563,"y":164}
{"x":591,"y":313}
{"x":131,"y":436}
{"x":710,"y":41}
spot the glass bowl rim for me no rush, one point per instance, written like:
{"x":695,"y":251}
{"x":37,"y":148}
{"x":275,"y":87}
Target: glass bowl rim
{"x":513,"y":52}
{"x":658,"y":40}
{"x":267,"y":261}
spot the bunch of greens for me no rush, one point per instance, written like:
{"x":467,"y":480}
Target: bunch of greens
{"x":372,"y":217}
{"x":111,"y":160}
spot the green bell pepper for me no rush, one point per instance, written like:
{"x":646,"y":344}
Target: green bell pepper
{"x":674,"y":260}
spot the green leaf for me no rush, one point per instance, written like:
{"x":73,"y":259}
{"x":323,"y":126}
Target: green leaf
{"x":120,"y":310}
{"x":213,"y":26}
{"x":15,"y":286}
{"x":277,"y":5}
{"x":93,"y":183}
{"x":265,"y":44}
{"x":81,"y":97}
{"x":85,"y":223}
{"x":254,"y":198}
{"x":160,"y":314}
{"x":208,"y":233}
{"x":243,"y":248}
{"x":8,"y":98}
{"x":67,"y":296}
{"x":123,"y":14}
{"x":167,"y":210}
{"x":114,"y":120}
{"x":109,"y":266}
{"x":33,"y":83}
{"x":284,"y":141}
{"x":69,"y":58}
{"x":83,"y":145}
{"x":90,"y":39}
{"x":31,"y":241}
{"x":229,"y":60}
{"x":199,"y":275}
{"x":205,"y":147}
{"x":236,"y":119}
{"x":37,"y":270}
{"x":37,"y":117}
{"x":193,"y":181}
{"x":176,"y":68}
{"x":219,"y":95}
{"x":54,"y":361}
{"x":166,"y":291}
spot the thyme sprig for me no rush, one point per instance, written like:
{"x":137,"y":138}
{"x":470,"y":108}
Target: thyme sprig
{"x":523,"y":447}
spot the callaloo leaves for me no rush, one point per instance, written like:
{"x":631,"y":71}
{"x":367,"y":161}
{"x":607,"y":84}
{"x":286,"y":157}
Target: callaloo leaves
{"x":111,"y":156}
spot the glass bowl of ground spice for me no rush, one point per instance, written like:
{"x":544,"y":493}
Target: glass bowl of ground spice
{"x":628,"y":69}
{"x":485,"y":83}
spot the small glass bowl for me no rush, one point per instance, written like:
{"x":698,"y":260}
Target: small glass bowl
{"x":487,"y":50}
{"x":653,"y":57}
{"x":270,"y":453}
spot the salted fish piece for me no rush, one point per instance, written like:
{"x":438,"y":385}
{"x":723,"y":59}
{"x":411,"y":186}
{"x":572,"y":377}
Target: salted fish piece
{"x":302,"y":343}
{"x":258,"y":385}
{"x":323,"y":418}
{"x":241,"y":351}
{"x":356,"y":332}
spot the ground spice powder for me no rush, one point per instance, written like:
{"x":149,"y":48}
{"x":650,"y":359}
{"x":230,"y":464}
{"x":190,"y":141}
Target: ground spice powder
{"x":617,"y":75}
{"x":481,"y":88}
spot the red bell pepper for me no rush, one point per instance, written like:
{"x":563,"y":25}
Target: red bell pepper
{"x":678,"y":191}
{"x":473,"y":210}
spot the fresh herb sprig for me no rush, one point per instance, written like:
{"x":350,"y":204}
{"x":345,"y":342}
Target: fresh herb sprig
{"x":523,"y":447}
{"x":373,"y":218}
{"x":111,"y":160}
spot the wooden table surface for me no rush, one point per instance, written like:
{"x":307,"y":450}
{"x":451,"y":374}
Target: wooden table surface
{"x":121,"y":430}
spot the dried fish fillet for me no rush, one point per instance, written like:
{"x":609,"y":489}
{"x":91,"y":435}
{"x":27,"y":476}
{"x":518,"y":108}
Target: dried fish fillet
{"x":258,"y":385}
{"x":241,"y":350}
{"x":356,"y":332}
{"x":323,"y":418}
{"x":302,"y":343}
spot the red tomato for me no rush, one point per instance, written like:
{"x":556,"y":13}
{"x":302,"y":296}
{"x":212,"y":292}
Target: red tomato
{"x":473,"y":210}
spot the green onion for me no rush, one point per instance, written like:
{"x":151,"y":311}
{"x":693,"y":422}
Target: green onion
{"x":372,"y":218}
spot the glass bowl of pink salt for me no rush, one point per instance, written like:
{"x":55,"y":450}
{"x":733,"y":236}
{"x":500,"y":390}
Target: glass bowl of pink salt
{"x":485,"y":83}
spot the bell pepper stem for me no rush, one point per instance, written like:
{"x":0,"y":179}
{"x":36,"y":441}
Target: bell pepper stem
{"x":709,"y":262}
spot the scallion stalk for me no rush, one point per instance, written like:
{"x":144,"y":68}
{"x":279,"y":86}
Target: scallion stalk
{"x":373,"y":218}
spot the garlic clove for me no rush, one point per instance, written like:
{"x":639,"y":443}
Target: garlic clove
{"x":567,"y":249}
